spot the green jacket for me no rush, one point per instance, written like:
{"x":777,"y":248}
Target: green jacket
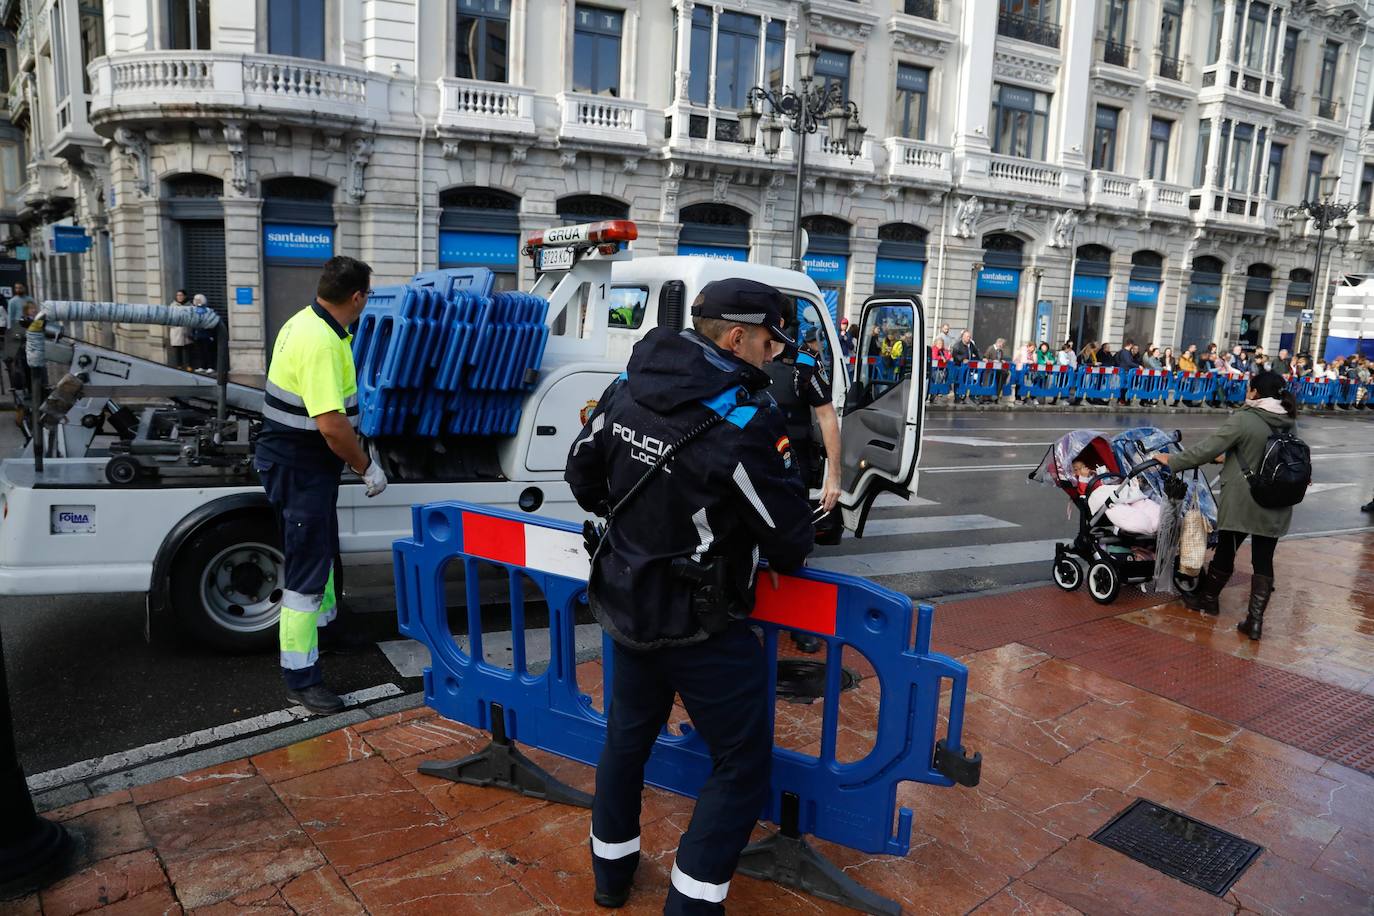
{"x":1244,"y":432}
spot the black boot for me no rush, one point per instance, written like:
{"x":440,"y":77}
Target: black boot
{"x":1261,"y":587}
{"x":1204,"y":597}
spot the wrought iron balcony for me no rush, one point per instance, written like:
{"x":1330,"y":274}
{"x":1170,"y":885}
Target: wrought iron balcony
{"x":1326,"y":108}
{"x":1171,"y":68}
{"x":925,"y":9}
{"x":1288,"y":97}
{"x":1025,"y":28}
{"x":1115,"y":53}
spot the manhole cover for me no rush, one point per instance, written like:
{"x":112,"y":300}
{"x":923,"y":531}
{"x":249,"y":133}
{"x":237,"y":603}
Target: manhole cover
{"x":801,"y":680}
{"x":1179,"y":846}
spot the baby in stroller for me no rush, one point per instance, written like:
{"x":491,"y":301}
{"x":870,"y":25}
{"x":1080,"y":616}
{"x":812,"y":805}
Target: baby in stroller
{"x":1122,"y":499}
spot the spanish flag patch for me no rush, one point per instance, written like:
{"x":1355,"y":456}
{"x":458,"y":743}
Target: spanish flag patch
{"x":783,"y":445}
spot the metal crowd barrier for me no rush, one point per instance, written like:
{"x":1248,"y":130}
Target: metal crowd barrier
{"x":853,"y":803}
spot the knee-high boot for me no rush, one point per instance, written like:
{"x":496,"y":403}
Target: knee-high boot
{"x":1204,"y":597}
{"x":1261,"y":587}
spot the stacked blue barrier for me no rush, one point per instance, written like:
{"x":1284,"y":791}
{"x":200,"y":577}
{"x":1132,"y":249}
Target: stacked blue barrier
{"x":853,"y":803}
{"x":443,"y":355}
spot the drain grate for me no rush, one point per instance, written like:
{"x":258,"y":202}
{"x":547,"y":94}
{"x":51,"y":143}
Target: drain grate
{"x":802,"y":680}
{"x":1179,"y":846}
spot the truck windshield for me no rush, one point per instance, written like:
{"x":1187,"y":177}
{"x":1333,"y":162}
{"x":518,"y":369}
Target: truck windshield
{"x":809,"y":320}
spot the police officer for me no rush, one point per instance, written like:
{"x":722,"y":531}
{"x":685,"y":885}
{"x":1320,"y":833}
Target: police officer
{"x":673,"y":577}
{"x":310,"y":417}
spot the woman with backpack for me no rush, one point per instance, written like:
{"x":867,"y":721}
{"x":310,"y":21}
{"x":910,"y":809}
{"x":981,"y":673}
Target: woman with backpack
{"x":1240,"y":445}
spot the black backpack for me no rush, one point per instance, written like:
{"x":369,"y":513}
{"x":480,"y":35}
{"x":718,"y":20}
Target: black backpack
{"x":1284,"y":473}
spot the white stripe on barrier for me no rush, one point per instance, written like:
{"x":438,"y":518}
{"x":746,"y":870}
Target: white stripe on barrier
{"x":553,"y":551}
{"x":688,"y":886}
{"x":604,"y":850}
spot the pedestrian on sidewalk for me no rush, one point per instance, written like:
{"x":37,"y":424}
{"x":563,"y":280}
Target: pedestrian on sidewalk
{"x":180,"y":339}
{"x":1269,"y":406}
{"x":672,"y":577}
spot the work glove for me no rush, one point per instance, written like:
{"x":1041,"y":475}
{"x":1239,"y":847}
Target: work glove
{"x":374,"y":478}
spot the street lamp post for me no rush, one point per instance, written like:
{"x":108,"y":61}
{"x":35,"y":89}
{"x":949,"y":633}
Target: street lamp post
{"x":1325,"y":213}
{"x":802,"y":112}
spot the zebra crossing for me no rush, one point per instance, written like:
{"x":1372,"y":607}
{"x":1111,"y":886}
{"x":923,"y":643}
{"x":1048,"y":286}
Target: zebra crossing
{"x":911,"y":538}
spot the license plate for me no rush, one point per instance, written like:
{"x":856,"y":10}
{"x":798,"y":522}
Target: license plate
{"x":73,"y":520}
{"x":555,"y":259}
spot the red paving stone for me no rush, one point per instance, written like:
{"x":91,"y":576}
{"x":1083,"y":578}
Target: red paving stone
{"x":1078,"y":709}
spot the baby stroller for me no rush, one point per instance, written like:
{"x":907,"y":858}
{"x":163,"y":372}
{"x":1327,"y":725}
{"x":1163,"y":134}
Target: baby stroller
{"x":1103,"y":553}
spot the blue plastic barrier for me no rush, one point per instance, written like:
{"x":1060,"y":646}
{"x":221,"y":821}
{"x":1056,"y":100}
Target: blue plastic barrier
{"x":1230,"y":390}
{"x":1312,"y":392}
{"x":443,"y":355}
{"x":851,"y":803}
{"x":1146,"y":386}
{"x":1343,"y":394}
{"x":985,"y":378}
{"x":943,"y":377}
{"x":1048,"y":382}
{"x":1193,"y":387}
{"x":1098,"y":383}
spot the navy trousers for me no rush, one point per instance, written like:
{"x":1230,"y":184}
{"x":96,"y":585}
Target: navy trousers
{"x":723,"y":683}
{"x":306,"y":503}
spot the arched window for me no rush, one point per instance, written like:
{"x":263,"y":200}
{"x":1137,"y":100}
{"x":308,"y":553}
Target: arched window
{"x":1208,"y":265}
{"x":827,"y":258}
{"x":901,"y":265}
{"x":480,"y":227}
{"x":714,"y":231}
{"x":297,"y":238}
{"x":590,"y":208}
{"x":194,"y":187}
{"x":1002,"y":250}
{"x":1260,"y":272}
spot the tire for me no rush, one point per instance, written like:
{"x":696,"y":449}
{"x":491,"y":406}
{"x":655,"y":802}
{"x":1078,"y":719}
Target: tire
{"x":1185,"y":584}
{"x":226,"y":584}
{"x":1068,"y":575}
{"x":122,"y":471}
{"x":1104,"y":584}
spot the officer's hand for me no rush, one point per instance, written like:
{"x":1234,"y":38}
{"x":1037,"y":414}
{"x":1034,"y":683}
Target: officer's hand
{"x":375,"y":478}
{"x":830,"y":493}
{"x":773,"y":577}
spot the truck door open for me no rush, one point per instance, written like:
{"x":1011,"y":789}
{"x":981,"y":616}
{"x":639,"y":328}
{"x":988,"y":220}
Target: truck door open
{"x":880,"y":433}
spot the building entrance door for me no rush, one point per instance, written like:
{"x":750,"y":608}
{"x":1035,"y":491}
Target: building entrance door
{"x":1198,"y":327}
{"x":993,"y":318}
{"x":287,"y":288}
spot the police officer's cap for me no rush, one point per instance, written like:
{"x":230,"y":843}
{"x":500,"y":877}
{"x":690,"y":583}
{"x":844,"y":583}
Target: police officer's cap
{"x":744,"y":302}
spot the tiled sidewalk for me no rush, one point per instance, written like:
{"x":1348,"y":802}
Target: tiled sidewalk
{"x":1077,"y":709}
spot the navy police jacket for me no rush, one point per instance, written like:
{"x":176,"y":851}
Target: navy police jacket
{"x":733,"y":493}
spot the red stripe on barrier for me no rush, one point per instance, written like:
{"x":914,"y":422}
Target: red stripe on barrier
{"x":797,"y":603}
{"x":495,"y":539}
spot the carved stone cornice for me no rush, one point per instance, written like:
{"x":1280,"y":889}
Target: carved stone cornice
{"x":840,"y":19}
{"x":922,"y":37}
{"x":1111,"y":87}
{"x":1024,"y":68}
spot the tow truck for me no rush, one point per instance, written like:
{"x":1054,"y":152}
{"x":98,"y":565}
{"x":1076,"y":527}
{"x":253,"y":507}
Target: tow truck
{"x":140,"y":476}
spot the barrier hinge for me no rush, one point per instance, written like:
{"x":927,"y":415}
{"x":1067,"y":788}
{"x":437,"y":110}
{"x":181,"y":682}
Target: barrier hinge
{"x":958,"y":765}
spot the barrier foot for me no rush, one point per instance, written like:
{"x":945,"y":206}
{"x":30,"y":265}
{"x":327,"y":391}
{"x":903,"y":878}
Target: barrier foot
{"x":501,"y":764}
{"x":786,"y":858}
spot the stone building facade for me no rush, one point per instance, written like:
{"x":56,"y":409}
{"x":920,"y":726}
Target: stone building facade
{"x":1033,"y":168}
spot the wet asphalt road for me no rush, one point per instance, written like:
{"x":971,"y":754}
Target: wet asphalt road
{"x":85,"y":683}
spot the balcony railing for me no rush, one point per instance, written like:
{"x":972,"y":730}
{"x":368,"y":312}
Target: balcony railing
{"x":1288,"y":97}
{"x":917,"y":159}
{"x":1209,"y":78}
{"x":1116,"y":53}
{"x":1024,"y":173}
{"x":478,"y":105}
{"x":1326,"y":108}
{"x":925,"y":9}
{"x":602,"y":118}
{"x":1164,"y":199}
{"x":1170,"y":68}
{"x":836,"y":156}
{"x":1025,"y":28}
{"x":1105,"y":188}
{"x":191,"y":79}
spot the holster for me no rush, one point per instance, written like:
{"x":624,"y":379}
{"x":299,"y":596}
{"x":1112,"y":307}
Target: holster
{"x":713,"y":602}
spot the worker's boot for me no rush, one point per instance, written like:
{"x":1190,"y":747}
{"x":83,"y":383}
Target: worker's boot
{"x":1261,"y":587}
{"x":317,"y":698}
{"x":1204,"y":598}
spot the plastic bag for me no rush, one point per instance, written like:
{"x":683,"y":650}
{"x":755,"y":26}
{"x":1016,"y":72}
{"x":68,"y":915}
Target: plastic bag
{"x":1192,"y":548}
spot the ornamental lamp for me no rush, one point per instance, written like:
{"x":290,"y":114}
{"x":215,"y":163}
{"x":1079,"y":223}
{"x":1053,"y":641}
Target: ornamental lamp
{"x":1343,"y":228}
{"x":1366,"y":225}
{"x":1327,"y":185}
{"x":854,"y":137}
{"x":749,"y":117}
{"x":772,"y":135}
{"x":837,"y":123}
{"x":806,"y":64}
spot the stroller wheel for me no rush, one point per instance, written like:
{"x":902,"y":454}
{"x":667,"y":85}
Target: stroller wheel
{"x":1104,"y":583}
{"x":1185,"y":584}
{"x":1068,"y":575}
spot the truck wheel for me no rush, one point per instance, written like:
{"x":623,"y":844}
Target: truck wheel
{"x":122,"y":470}
{"x":226,"y":584}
